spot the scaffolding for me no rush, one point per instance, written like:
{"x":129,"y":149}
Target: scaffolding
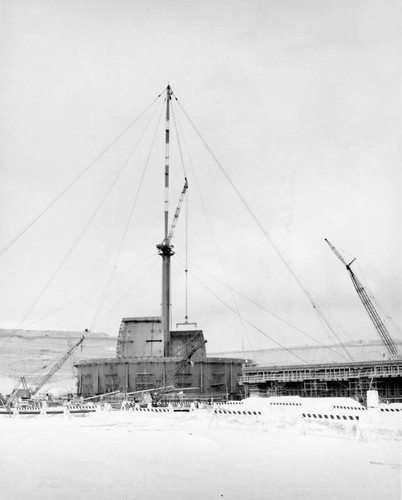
{"x":352,"y":379}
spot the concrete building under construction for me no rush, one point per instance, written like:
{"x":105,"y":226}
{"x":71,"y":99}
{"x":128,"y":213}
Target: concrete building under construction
{"x":351,"y":379}
{"x":141,"y":364}
{"x":150,"y":355}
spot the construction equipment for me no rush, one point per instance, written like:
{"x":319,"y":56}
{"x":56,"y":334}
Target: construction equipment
{"x":369,"y":306}
{"x":177,"y":213}
{"x":23,"y":393}
{"x":56,"y":367}
{"x":175,"y":371}
{"x":165,"y":250}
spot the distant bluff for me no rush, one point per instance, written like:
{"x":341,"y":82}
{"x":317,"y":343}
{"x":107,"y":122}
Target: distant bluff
{"x":32,"y":353}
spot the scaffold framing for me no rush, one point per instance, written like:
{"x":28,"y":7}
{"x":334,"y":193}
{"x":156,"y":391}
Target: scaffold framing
{"x":336,"y":379}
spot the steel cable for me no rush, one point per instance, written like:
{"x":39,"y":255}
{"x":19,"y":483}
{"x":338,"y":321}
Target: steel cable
{"x":76,"y":179}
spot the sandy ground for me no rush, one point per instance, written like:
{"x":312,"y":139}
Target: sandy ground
{"x":188,"y":456}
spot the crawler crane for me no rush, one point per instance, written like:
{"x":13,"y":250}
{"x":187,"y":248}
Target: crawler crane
{"x":369,"y":306}
{"x":56,"y":367}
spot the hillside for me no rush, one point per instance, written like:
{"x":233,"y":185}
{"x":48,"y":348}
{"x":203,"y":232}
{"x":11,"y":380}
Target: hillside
{"x":32,"y":353}
{"x":336,"y":353}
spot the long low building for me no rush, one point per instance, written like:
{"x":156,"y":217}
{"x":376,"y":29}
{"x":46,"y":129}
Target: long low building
{"x":351,"y":379}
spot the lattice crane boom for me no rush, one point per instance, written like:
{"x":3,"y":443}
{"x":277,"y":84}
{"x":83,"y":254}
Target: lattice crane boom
{"x":176,"y":214}
{"x":56,"y":367}
{"x":177,"y":370}
{"x":331,"y":246}
{"x":369,"y":306}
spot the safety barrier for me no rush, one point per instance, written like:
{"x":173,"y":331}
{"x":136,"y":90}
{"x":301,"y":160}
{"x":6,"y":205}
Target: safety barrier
{"x":153,"y":410}
{"x":330,"y":416}
{"x":220,"y":411}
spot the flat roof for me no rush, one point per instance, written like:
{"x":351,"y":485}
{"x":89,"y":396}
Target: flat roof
{"x":319,"y":366}
{"x":155,"y":359}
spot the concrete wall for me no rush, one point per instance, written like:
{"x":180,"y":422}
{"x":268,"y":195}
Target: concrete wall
{"x":212,"y":375}
{"x":140,"y":337}
{"x":183,"y":341}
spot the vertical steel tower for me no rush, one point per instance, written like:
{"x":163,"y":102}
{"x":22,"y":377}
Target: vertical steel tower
{"x":165,"y":248}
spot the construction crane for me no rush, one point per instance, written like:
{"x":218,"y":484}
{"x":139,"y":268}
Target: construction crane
{"x":20,"y":393}
{"x":56,"y":367}
{"x":165,"y":250}
{"x":168,"y":239}
{"x":369,"y":306}
{"x":175,"y":371}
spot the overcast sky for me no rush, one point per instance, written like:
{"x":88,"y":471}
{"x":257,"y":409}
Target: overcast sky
{"x":299,"y":100}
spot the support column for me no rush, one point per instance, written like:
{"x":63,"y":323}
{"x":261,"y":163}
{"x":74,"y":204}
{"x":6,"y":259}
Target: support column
{"x":165,"y":249}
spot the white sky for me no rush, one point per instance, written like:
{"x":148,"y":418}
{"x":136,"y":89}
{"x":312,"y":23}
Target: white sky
{"x":299,"y":100}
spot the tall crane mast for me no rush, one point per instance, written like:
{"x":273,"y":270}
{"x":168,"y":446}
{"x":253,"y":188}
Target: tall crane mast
{"x":165,"y":249}
{"x":368,"y":305}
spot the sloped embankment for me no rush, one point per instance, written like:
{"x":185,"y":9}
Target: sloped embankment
{"x":31,"y":353}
